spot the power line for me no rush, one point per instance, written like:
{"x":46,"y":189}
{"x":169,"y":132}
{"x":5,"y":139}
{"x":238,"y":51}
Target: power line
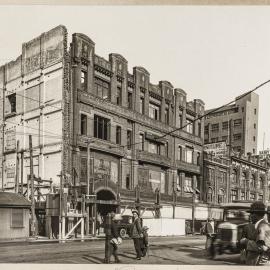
{"x":180,"y":128}
{"x":205,"y":114}
{"x":35,"y":100}
{"x":35,"y":129}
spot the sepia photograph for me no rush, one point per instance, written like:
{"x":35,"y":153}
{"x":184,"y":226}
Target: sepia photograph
{"x":134,"y":135}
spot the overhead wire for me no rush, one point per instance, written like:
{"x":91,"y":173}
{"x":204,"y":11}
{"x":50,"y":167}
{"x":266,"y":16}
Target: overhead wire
{"x":172,"y":131}
{"x":205,"y":114}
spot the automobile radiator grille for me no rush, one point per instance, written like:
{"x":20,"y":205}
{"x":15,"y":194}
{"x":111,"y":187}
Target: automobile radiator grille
{"x":226,"y":234}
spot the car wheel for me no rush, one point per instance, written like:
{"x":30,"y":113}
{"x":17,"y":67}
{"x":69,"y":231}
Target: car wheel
{"x":123,"y":233}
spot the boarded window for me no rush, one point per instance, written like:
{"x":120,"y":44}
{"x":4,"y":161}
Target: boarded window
{"x":10,"y":140}
{"x":17,"y":218}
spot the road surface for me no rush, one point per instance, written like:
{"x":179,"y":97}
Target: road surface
{"x":187,"y":250}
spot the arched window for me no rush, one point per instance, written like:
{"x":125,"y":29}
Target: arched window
{"x":233,"y":177}
{"x":221,"y":195}
{"x":253,"y":181}
{"x":242,"y":179}
{"x":261,"y":183}
{"x":198,"y":158}
{"x":209,"y":195}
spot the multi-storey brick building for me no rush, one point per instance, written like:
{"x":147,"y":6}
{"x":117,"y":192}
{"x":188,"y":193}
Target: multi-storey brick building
{"x":127,"y":118}
{"x":236,"y":124}
{"x":144,"y":141}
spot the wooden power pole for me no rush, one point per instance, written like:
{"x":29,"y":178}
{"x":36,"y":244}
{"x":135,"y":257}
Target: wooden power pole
{"x":33,"y":216}
{"x":88,"y":188}
{"x":17,"y":168}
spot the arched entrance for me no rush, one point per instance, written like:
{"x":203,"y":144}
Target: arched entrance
{"x":106,"y":202}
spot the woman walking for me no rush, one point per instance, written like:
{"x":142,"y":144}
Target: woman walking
{"x":136,"y":234}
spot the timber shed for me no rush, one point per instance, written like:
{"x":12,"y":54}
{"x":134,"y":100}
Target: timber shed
{"x":14,"y":216}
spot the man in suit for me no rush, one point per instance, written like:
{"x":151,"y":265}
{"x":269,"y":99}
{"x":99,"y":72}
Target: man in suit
{"x":209,"y":232}
{"x":258,"y":243}
{"x":136,"y":234}
{"x":114,"y":240}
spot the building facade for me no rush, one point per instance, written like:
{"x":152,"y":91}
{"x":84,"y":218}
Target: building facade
{"x":217,"y":176}
{"x":236,"y":124}
{"x":126,"y":119}
{"x":235,"y":178}
{"x":33,"y":94}
{"x":98,"y":129}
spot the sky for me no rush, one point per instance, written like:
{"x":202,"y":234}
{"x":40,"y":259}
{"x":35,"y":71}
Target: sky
{"x":214,"y":53}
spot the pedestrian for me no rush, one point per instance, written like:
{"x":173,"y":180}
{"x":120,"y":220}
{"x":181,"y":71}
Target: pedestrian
{"x":247,"y":234}
{"x":209,"y":230}
{"x":136,"y":234}
{"x":115,"y":240}
{"x":98,"y":223}
{"x":144,"y":241}
{"x":212,"y":222}
{"x":258,"y":247}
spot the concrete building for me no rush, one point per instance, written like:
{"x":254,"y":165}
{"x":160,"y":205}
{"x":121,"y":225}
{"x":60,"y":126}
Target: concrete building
{"x":70,"y":100}
{"x":236,"y":124}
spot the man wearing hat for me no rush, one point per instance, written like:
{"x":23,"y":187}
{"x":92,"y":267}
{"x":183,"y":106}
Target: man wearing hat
{"x":136,"y":234}
{"x":258,"y":243}
{"x":115,"y":240}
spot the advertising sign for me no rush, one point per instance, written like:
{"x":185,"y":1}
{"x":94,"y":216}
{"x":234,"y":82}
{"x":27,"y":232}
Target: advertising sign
{"x":217,"y":149}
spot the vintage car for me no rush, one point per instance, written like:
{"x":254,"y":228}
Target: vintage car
{"x":229,"y":231}
{"x":123,"y":224}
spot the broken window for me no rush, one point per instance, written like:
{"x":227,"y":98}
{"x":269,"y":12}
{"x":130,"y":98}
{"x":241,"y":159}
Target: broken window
{"x":12,"y":102}
{"x":84,"y":80}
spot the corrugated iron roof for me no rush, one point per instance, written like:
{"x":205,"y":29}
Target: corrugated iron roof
{"x":8,"y":199}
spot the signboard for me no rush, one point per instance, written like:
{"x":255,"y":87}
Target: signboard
{"x":217,"y":149}
{"x":264,"y":153}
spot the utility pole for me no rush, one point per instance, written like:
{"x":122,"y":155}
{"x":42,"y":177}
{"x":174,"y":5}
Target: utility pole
{"x":193,"y":212}
{"x":88,"y":186}
{"x":22,"y":172}
{"x":17,"y":168}
{"x":60,"y":208}
{"x":33,"y":219}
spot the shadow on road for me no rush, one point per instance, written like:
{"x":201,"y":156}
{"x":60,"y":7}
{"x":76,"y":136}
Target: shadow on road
{"x":126,"y":256}
{"x":157,"y":257}
{"x":199,"y":253}
{"x":93,"y":259}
